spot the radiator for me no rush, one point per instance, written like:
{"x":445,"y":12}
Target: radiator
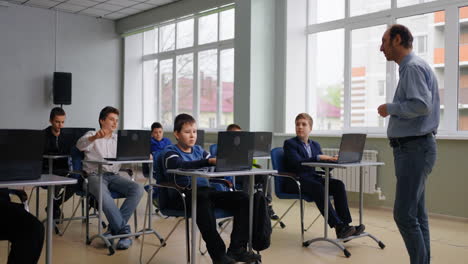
{"x":350,"y":176}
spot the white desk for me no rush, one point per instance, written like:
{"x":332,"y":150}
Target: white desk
{"x":50,"y":181}
{"x":195,"y":175}
{"x":327,"y":167}
{"x":148,"y":230}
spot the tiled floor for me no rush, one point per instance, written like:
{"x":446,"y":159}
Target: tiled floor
{"x":449,"y":239}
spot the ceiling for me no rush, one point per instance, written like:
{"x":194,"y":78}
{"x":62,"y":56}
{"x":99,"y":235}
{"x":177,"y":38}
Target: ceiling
{"x":110,"y":9}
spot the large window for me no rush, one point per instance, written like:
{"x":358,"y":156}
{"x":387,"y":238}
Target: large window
{"x":348,"y":76}
{"x":326,"y":81}
{"x":188,"y":67}
{"x":429,"y":43}
{"x":367,"y":70}
{"x":463,"y":70}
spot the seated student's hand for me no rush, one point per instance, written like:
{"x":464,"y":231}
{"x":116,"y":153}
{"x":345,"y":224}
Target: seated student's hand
{"x":328,"y":158}
{"x":100,"y":134}
{"x":212,"y":161}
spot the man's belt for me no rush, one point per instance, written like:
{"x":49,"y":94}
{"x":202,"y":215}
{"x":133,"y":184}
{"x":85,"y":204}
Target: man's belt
{"x":395,"y":142}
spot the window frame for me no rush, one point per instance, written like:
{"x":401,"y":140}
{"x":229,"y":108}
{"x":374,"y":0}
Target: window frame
{"x":219,"y":45}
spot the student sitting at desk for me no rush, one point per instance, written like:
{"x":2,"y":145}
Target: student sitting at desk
{"x":302,"y":149}
{"x":97,"y":146}
{"x":158,"y":141}
{"x":186,"y":155}
{"x":22,"y":229}
{"x":57,"y":144}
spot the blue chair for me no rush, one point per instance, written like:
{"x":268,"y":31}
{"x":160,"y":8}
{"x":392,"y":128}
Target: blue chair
{"x":161,"y":192}
{"x":277,"y":160}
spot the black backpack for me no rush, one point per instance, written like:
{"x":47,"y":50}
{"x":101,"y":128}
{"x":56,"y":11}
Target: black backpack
{"x":261,"y":237}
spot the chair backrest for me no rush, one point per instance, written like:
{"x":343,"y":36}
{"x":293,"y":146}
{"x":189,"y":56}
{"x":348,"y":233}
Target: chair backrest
{"x":277,"y":161}
{"x":158,"y":170}
{"x":77,"y":157}
{"x":213,"y":150}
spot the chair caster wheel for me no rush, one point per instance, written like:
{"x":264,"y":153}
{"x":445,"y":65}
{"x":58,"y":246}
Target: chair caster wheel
{"x":306,"y":244}
{"x":381,"y":245}
{"x":282,"y":225}
{"x":346,"y":253}
{"x":163,"y":243}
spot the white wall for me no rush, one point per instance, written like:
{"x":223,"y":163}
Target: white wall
{"x":87,"y":47}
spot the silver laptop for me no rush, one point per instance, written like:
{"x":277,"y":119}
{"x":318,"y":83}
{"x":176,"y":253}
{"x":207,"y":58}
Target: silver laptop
{"x":351,"y":148}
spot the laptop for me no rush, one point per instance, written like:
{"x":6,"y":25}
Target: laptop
{"x":21,"y":154}
{"x":351,"y":148}
{"x":200,"y":138}
{"x":262,"y":144}
{"x":132,"y":145}
{"x":235,"y":151}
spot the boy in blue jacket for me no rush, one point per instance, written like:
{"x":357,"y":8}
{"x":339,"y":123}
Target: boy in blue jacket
{"x":302,"y":149}
{"x":158,"y":141}
{"x":186,"y":155}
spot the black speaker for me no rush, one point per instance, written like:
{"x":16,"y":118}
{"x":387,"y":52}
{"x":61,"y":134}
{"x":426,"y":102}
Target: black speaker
{"x":62,"y":88}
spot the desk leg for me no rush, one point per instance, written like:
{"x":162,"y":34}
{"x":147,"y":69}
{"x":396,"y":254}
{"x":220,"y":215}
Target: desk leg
{"x":251,"y":194}
{"x":326,"y":201}
{"x":100,"y":199}
{"x":150,"y":197}
{"x":194,"y":220}
{"x":50,"y":220}
{"x":37,"y":201}
{"x":361,"y":194}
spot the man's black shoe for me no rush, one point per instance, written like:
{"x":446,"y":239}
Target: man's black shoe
{"x":242,"y":255}
{"x":272,"y":213}
{"x":344,"y":231}
{"x":359,"y":230}
{"x":224,"y":260}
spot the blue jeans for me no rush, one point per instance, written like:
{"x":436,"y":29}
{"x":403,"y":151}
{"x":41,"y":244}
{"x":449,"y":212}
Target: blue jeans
{"x":414,"y":161}
{"x":125,"y":187}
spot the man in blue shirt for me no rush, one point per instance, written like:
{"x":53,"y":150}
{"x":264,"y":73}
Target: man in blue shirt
{"x":414,"y":118}
{"x":186,"y":155}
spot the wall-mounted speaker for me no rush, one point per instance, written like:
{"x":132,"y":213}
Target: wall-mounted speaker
{"x":62,"y":88}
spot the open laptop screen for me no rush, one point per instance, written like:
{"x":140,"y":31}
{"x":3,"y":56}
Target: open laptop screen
{"x":262,"y":144}
{"x":21,"y":154}
{"x":235,"y":151}
{"x":351,"y":148}
{"x":133,"y":144}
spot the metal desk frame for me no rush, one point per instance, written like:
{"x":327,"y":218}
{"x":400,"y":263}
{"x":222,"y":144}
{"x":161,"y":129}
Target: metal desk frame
{"x":148,"y":230}
{"x":327,"y":167}
{"x":195,"y":175}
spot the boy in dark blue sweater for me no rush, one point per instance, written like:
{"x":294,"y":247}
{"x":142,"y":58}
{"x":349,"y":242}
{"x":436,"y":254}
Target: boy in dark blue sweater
{"x":186,"y":155}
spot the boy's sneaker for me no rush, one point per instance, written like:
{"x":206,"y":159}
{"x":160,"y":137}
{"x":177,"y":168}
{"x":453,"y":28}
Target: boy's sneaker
{"x":242,"y":255}
{"x":224,"y":260}
{"x":124,"y":243}
{"x":344,"y":231}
